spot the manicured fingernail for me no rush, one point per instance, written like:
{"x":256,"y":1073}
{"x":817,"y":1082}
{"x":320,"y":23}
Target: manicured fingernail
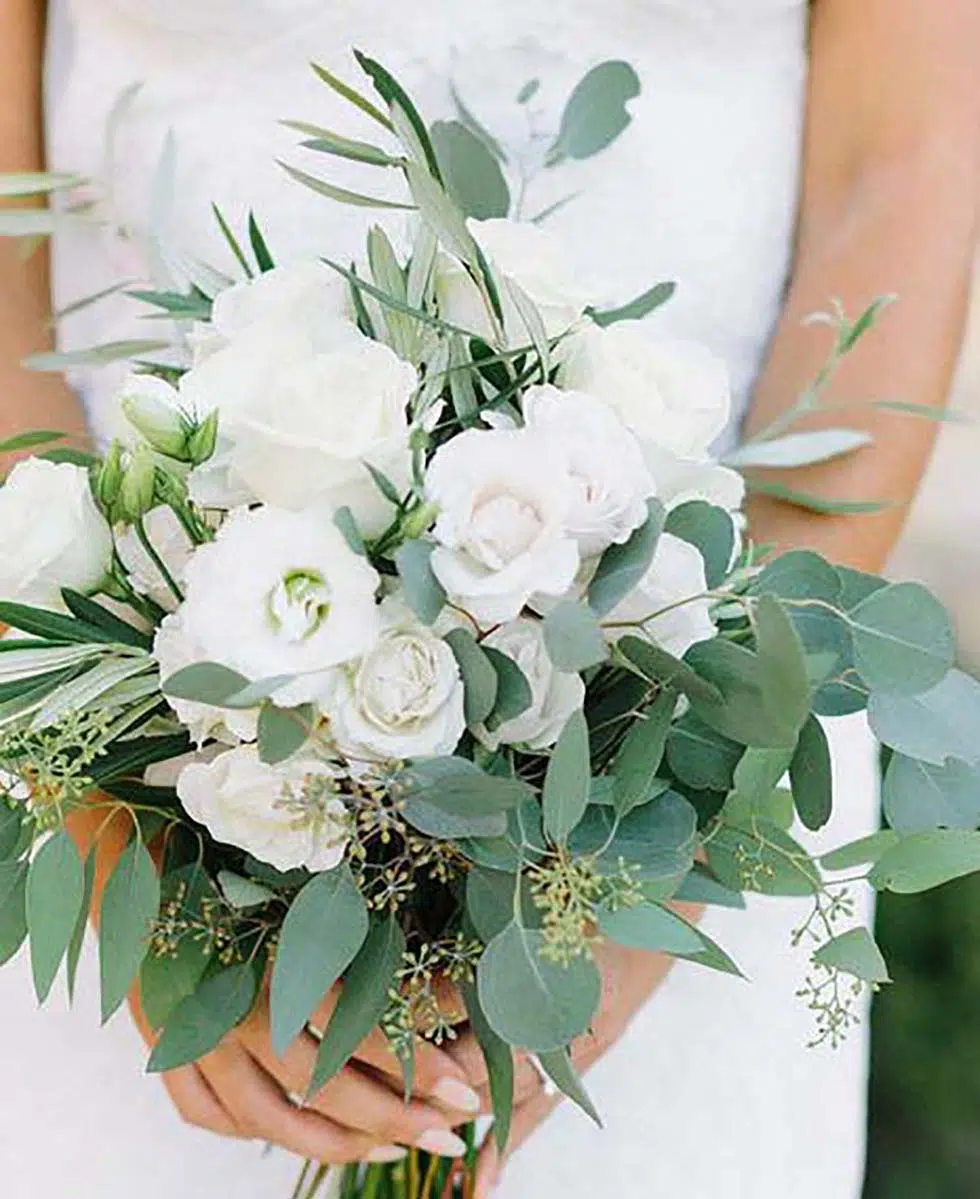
{"x":386,"y":1153}
{"x":441,"y":1143}
{"x":456,"y":1094}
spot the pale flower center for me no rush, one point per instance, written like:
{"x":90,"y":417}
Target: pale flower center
{"x":503,"y":527}
{"x":298,"y":604}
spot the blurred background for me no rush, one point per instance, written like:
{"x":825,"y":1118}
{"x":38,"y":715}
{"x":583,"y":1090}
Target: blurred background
{"x":925,"y":1087}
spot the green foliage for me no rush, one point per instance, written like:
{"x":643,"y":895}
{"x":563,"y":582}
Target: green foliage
{"x":499,"y":1059}
{"x":709,"y":529}
{"x":596,"y":112}
{"x":650,"y":927}
{"x":573,"y":637}
{"x":282,"y":732}
{"x":922,"y":861}
{"x":472,"y":173}
{"x":622,"y":567}
{"x":640,"y":756}
{"x":321,"y":935}
{"x":13,"y":908}
{"x":130,"y":904}
{"x":811,"y":775}
{"x":854,"y":952}
{"x":903,"y":641}
{"x":55,"y":890}
{"x":558,"y":1066}
{"x":201,"y":1022}
{"x":566,"y":784}
{"x":656,"y":842}
{"x":933,"y":725}
{"x":637,"y":308}
{"x":918,"y":795}
{"x":478,"y":673}
{"x":423,"y":591}
{"x":531,"y":1002}
{"x":362,"y":1000}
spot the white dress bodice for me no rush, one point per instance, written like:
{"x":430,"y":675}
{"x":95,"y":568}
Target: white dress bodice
{"x":712,"y":1092}
{"x":701,"y":189}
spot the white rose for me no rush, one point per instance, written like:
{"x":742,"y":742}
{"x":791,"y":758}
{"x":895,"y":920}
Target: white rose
{"x":281,"y":593}
{"x":173,"y":546}
{"x":174,"y":649}
{"x":671,"y":392}
{"x":301,"y":415}
{"x":288,"y":816}
{"x":611,"y":480}
{"x":526,"y":255}
{"x":555,"y":694}
{"x":504,"y":499}
{"x":676,"y":575}
{"x":303,"y":295}
{"x":51,"y":534}
{"x":403,"y":699}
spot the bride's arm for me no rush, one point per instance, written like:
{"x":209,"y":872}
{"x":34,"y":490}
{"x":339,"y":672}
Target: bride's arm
{"x":890,"y":204}
{"x":241,"y":1089}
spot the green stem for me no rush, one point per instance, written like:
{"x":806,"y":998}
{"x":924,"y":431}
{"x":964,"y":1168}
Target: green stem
{"x":157,"y":561}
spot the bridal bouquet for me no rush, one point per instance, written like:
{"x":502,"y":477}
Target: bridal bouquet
{"x":417,"y":635}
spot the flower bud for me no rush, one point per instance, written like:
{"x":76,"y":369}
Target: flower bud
{"x":151,"y":406}
{"x":201,"y":442}
{"x":419,"y":521}
{"x":138,"y":492}
{"x":108,"y":480}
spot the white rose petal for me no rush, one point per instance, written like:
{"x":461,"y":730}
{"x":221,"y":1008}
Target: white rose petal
{"x":676,"y":575}
{"x":671,"y":392}
{"x":284,"y":815}
{"x":281,"y":593}
{"x":680,"y":480}
{"x":52,"y":535}
{"x":300,"y":416}
{"x":504,"y":499}
{"x":403,"y":699}
{"x":170,"y":540}
{"x":611,"y":479}
{"x":555,"y":694}
{"x":174,"y":649}
{"x":526,"y":255}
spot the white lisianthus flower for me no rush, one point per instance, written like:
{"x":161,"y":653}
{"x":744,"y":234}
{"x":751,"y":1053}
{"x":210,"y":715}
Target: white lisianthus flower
{"x":403,"y":699}
{"x":676,"y":575}
{"x":289,"y":816}
{"x":504,"y":499}
{"x":52,"y":535}
{"x":304,"y":295}
{"x":529,"y":257}
{"x":154,"y":409}
{"x":611,"y":479}
{"x":173,"y":546}
{"x":301,"y":413}
{"x":555,"y":695}
{"x":174,"y":649}
{"x":280,"y":593}
{"x":671,"y":392}
{"x":680,"y":480}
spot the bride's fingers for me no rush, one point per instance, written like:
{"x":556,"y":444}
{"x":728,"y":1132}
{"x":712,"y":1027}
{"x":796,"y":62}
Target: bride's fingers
{"x":358,"y":1100}
{"x":262,"y":1111}
{"x":196,"y":1102}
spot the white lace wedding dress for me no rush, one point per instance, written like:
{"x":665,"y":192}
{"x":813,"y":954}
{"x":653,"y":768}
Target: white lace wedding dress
{"x":713,"y":1091}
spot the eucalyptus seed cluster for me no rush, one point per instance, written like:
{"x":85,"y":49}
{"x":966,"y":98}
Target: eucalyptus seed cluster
{"x":56,"y":761}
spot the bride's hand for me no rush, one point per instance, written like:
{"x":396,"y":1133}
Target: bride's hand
{"x":243,"y":1089}
{"x":629,"y":978}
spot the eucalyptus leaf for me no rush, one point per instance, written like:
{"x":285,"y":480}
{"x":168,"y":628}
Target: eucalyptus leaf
{"x":573,"y":637}
{"x":903,"y":641}
{"x":205,"y":683}
{"x":321,"y":935}
{"x":282,"y":732}
{"x":799,"y":449}
{"x":700,"y":756}
{"x":460,"y":788}
{"x":77,"y":942}
{"x":596,"y":112}
{"x":566,"y":785}
{"x":531,"y":1002}
{"x":130,"y":905}
{"x":622,"y":567}
{"x":55,"y":890}
{"x":346,"y":522}
{"x":201,"y":1022}
{"x":243,"y":893}
{"x":514,"y":695}
{"x":865,"y":851}
{"x":811,"y":502}
{"x":764,"y":859}
{"x":362,"y":1001}
{"x":558,"y":1067}
{"x":424,"y":594}
{"x":658,"y":840}
{"x":919,"y":795}
{"x":703,"y":888}
{"x":934,"y":725}
{"x":637,"y":308}
{"x":855,"y":953}
{"x":472,"y":173}
{"x":490,"y":900}
{"x":926,"y":860}
{"x":13,"y":908}
{"x":710,"y":530}
{"x":499,"y":1060}
{"x":811,"y":775}
{"x":651,"y":927}
{"x":662,"y":669}
{"x":639,"y":757}
{"x":478,"y":674}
